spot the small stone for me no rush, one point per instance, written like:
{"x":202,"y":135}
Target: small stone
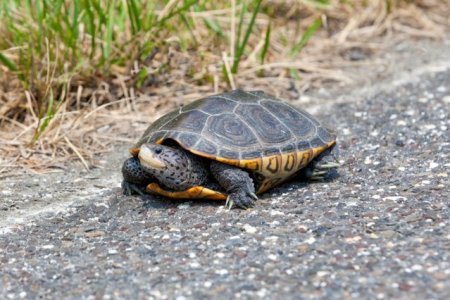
{"x":416,"y":268}
{"x":323,"y":273}
{"x":423,"y":100}
{"x":48,"y":246}
{"x":310,"y":240}
{"x":250,"y":229}
{"x":221,"y":272}
{"x":272,"y":257}
{"x":353,"y":239}
{"x":400,"y":143}
{"x":433,"y":165}
{"x":388,"y":234}
{"x":441,"y":89}
{"x":94,"y":233}
{"x":404,"y":287}
{"x":303,"y":248}
{"x":394,"y":198}
{"x":429,"y":126}
{"x":277,"y":213}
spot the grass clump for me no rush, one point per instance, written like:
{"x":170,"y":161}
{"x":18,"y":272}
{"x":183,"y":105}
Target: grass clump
{"x":61,"y":61}
{"x":45,"y":43}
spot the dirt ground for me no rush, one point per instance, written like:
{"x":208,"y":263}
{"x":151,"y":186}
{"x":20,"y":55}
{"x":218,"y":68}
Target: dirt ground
{"x":380,"y":230}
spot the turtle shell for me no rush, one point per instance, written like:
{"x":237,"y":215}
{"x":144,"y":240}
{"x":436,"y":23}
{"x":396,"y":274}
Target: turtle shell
{"x":248,"y":129}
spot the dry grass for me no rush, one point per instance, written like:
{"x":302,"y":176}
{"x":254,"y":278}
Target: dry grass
{"x":102,"y":110}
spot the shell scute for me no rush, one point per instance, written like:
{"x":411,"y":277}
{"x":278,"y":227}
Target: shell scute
{"x":267,"y":127}
{"x":247,"y":129}
{"x":227,"y":130}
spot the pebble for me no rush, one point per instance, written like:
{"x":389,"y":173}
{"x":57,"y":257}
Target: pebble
{"x":222,"y":272}
{"x":433,"y":165}
{"x":250,"y":229}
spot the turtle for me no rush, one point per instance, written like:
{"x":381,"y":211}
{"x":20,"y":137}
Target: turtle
{"x":231,"y":146}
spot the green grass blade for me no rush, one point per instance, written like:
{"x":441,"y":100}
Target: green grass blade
{"x":241,"y":48}
{"x":131,"y":17}
{"x":388,"y":6}
{"x":239,"y":30}
{"x":214,"y":27}
{"x":91,"y":26}
{"x":99,"y":10}
{"x":295,"y":74}
{"x":309,"y":32}
{"x":8,"y":63}
{"x":109,"y":33}
{"x":189,"y":27}
{"x":266,"y":43}
{"x":185,"y":7}
{"x":75,"y":26}
{"x":211,"y":24}
{"x":47,"y":118}
{"x":318,"y":4}
{"x":134,"y":14}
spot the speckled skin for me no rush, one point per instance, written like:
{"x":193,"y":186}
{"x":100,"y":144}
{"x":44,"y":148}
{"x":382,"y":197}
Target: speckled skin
{"x":237,"y":183}
{"x":184,"y":170}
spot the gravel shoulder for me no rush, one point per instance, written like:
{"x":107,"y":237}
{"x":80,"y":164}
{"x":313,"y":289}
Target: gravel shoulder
{"x":380,"y":230}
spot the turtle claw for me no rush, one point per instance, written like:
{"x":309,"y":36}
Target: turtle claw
{"x":329,"y":165}
{"x":319,"y":173}
{"x":241,"y":199}
{"x":229,"y":203}
{"x":253,"y":195}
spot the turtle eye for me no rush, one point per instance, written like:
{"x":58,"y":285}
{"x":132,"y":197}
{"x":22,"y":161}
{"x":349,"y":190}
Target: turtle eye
{"x":158,"y":150}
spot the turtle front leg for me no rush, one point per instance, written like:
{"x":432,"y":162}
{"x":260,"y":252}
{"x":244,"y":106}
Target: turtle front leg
{"x":237,"y":183}
{"x":135,"y":179}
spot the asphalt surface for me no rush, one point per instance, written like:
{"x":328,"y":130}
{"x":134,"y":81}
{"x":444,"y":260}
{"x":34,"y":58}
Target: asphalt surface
{"x":380,"y":230}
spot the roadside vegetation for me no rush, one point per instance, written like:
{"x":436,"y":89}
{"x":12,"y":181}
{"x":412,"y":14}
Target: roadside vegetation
{"x":72,"y":73}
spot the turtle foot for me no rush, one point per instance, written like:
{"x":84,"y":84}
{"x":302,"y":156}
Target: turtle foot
{"x":129,"y":189}
{"x":323,"y":171}
{"x":241,"y":199}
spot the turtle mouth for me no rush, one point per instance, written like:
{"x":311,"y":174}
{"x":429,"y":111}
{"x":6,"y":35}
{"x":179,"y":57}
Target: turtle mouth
{"x":149,"y":160}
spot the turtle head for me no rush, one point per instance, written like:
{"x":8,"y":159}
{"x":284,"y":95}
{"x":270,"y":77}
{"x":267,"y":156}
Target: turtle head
{"x":169,"y":165}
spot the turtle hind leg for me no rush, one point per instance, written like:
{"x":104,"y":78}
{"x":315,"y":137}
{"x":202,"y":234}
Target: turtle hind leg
{"x":237,"y":183}
{"x":323,"y":167}
{"x":135,"y":179}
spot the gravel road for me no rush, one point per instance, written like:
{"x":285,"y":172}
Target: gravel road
{"x":380,"y":230}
